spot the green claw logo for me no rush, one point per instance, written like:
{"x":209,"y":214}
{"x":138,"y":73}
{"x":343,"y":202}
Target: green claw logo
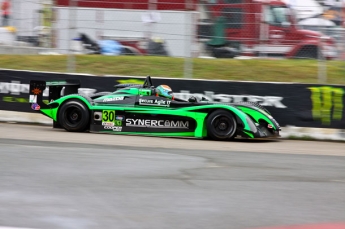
{"x":131,"y":81}
{"x":327,"y":104}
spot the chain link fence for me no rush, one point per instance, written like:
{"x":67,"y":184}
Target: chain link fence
{"x":30,"y":23}
{"x":297,"y":29}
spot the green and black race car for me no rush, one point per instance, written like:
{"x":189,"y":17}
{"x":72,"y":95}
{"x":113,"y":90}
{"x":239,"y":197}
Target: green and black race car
{"x":148,"y":110}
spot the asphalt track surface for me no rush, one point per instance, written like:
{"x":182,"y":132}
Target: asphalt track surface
{"x":54,"y":179}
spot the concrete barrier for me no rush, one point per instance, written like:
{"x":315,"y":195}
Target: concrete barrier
{"x":25,"y":50}
{"x":287,"y":132}
{"x":23,"y":117}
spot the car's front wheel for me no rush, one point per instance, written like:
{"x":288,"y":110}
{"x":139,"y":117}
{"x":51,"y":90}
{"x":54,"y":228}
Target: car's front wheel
{"x":74,"y":116}
{"x":221,"y":125}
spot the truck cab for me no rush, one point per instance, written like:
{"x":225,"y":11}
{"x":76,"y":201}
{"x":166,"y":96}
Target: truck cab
{"x":265,"y":28}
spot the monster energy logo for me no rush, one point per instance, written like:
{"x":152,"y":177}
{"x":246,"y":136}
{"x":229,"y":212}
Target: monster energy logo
{"x":327,"y":103}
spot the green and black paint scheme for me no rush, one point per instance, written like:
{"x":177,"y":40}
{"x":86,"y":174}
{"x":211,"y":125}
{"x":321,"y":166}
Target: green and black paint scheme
{"x":135,"y":109}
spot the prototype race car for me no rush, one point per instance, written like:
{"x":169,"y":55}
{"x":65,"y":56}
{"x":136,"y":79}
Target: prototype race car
{"x":149,"y":110}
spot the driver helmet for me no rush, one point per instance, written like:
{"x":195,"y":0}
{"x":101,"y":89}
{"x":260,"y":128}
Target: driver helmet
{"x":164,"y":91}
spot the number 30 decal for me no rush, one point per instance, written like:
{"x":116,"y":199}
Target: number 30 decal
{"x":108,"y":116}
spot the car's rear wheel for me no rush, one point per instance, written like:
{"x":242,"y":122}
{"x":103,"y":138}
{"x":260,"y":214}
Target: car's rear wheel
{"x":221,"y":125}
{"x":74,"y":116}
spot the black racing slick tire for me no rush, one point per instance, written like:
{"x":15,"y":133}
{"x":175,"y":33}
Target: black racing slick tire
{"x":221,"y":125}
{"x":74,"y":116}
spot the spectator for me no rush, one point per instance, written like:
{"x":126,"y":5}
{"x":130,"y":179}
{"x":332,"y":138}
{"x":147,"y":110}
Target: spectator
{"x":5,"y":7}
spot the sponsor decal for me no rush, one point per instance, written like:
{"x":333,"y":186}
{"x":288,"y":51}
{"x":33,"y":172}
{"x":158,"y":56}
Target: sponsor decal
{"x":157,"y":123}
{"x":118,"y":123}
{"x":154,"y":102}
{"x":131,"y":81}
{"x":107,"y":124}
{"x":144,"y":92}
{"x":36,"y":91}
{"x":269,"y":101}
{"x":119,"y":117}
{"x":35,"y":107}
{"x":109,"y":119}
{"x":108,"y":116}
{"x":33,"y":99}
{"x":12,"y":99}
{"x":14,"y":88}
{"x":51,"y":83}
{"x":13,"y":92}
{"x":327,"y":103}
{"x":18,"y":88}
{"x":114,"y":128}
{"x":113,"y":99}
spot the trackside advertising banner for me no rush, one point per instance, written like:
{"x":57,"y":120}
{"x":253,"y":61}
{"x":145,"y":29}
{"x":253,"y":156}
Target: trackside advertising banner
{"x":303,"y":105}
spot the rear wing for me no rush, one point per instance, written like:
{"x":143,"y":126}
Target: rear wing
{"x":54,"y":87}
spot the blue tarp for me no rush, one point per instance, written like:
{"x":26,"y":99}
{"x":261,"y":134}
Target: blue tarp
{"x":110,"y":47}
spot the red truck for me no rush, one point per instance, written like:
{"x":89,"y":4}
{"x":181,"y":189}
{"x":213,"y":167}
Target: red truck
{"x":249,"y":27}
{"x":259,"y":27}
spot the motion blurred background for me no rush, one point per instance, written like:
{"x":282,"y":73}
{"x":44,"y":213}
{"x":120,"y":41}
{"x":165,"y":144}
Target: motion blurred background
{"x":54,"y":179}
{"x":180,"y":28}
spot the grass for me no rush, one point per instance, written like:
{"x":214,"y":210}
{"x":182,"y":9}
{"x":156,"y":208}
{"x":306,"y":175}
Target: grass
{"x":282,"y":70}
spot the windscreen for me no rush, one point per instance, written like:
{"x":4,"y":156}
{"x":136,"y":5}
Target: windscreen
{"x":277,"y":15}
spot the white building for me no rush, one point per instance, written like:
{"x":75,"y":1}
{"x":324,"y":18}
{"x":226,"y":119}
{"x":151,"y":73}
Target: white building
{"x":26,"y":16}
{"x":176,"y":28}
